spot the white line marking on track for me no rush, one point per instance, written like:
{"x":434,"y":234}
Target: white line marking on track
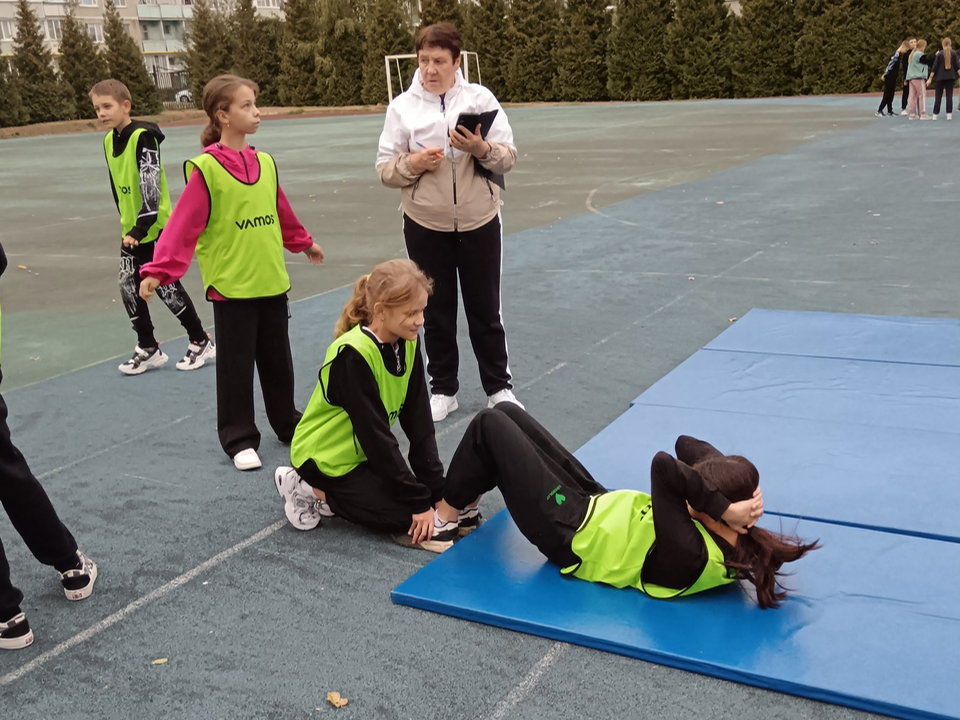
{"x":520,"y":691}
{"x":69,"y":465}
{"x":121,"y":614}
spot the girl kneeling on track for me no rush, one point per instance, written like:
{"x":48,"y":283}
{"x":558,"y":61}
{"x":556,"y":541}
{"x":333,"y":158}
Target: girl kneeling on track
{"x":348,"y":462}
{"x":694,"y":533}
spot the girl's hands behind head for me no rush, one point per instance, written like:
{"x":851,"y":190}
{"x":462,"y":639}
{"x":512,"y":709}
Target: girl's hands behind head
{"x":743,"y":515}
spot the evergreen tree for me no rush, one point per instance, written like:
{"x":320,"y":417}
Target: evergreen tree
{"x":486,"y":32}
{"x":762,"y":49}
{"x":388,"y":33}
{"x":298,"y":56}
{"x":125,"y":64}
{"x":697,"y":49}
{"x":339,"y":74}
{"x":81,"y":66}
{"x":637,"y":51}
{"x":437,"y":11}
{"x":267,"y":72}
{"x":581,"y":52}
{"x":12,"y":112}
{"x":531,"y":67}
{"x":840,"y":48}
{"x":39,"y":93}
{"x":247,"y":50}
{"x":209,"y":48}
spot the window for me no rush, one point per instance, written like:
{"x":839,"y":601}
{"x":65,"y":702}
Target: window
{"x":95,"y":31}
{"x":120,"y":3}
{"x":129,"y":28}
{"x":53,"y":30}
{"x":151,"y":31}
{"x":90,"y":3}
{"x":268,"y":3}
{"x":8,"y":29}
{"x":173,"y":29}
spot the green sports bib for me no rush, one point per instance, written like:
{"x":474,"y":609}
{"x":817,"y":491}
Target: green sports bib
{"x":240,"y":252}
{"x":617,"y":536}
{"x":325,"y":434}
{"x":125,"y":176}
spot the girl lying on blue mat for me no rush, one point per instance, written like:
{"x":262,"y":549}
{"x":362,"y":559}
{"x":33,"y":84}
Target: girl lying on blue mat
{"x":694,"y":533}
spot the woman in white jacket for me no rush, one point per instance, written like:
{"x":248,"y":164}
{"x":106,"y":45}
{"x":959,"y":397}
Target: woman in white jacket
{"x":451,"y":211}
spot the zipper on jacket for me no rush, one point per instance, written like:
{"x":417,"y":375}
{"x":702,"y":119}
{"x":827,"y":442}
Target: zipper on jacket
{"x":453,"y":164}
{"x":245,"y":169}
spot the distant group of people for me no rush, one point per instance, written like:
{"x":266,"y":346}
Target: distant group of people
{"x":920,"y":71}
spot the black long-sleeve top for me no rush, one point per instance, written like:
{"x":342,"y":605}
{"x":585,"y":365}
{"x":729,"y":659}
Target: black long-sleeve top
{"x":679,"y":554}
{"x":148,"y":162}
{"x":353,"y":387}
{"x":940,"y":72}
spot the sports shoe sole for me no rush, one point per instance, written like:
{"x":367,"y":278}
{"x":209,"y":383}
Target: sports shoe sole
{"x":247,"y":464}
{"x":434,"y":546}
{"x":17,"y":643}
{"x":289,"y":509}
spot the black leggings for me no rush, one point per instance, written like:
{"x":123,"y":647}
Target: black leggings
{"x":546,"y":489}
{"x":889,"y":90}
{"x":943,"y":87}
{"x":173,"y":296}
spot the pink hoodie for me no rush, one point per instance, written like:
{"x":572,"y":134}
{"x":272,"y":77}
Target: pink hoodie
{"x":177,"y":244}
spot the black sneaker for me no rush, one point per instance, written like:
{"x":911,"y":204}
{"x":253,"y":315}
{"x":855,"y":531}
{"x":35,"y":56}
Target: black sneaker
{"x":470,"y":520}
{"x":15,"y":633}
{"x":78,"y":582}
{"x":143,"y":360}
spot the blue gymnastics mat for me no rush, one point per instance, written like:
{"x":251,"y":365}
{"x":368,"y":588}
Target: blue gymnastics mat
{"x":873,"y":622}
{"x":897,"y":479}
{"x":930,"y":341}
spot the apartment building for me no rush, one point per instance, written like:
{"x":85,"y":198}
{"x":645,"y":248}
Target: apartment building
{"x":158,"y":26}
{"x":50,"y":13}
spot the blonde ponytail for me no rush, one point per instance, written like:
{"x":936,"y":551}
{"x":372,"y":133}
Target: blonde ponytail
{"x":391,"y":284}
{"x":355,"y":311}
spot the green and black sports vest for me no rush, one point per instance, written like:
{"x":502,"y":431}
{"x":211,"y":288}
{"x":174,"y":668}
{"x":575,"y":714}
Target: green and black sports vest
{"x":616,"y":537}
{"x":240,"y":252}
{"x":125,"y":175}
{"x":325,"y":434}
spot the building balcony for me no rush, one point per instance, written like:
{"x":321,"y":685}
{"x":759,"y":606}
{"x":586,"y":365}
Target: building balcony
{"x":157,"y":47}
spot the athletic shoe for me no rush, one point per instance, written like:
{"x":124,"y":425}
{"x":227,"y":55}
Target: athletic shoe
{"x":442,"y":405}
{"x":197,"y":355}
{"x":949,"y":116}
{"x":247,"y":460}
{"x":903,"y":112}
{"x":933,"y":117}
{"x":15,"y":633}
{"x":300,"y":505}
{"x":470,"y":519}
{"x":891,"y":113}
{"x":143,"y":360}
{"x":78,"y":582}
{"x":444,"y":534}
{"x":878,"y":113}
{"x":503,"y":396}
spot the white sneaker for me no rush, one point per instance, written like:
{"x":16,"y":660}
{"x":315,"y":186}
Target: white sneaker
{"x":442,"y":405}
{"x":903,"y":112}
{"x":247,"y":459}
{"x":933,"y":117}
{"x":503,"y":396}
{"x":949,"y":116}
{"x":300,"y":505}
{"x":197,"y":355}
{"x":143,"y":360}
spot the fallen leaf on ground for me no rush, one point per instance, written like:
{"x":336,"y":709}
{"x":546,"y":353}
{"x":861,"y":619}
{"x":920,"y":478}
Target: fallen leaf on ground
{"x":22,"y":267}
{"x":730,"y":319}
{"x":689,"y":278}
{"x":159,"y":661}
{"x":719,"y":202}
{"x":35,"y":359}
{"x":873,"y":242}
{"x":334,"y":699}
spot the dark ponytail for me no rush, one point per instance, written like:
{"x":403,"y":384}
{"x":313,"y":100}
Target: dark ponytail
{"x":758,"y":555}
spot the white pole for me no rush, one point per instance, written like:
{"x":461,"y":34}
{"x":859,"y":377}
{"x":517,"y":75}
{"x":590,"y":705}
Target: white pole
{"x":386,"y":67}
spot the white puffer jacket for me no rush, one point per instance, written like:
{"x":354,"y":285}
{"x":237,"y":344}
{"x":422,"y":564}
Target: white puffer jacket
{"x":455,"y":196}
